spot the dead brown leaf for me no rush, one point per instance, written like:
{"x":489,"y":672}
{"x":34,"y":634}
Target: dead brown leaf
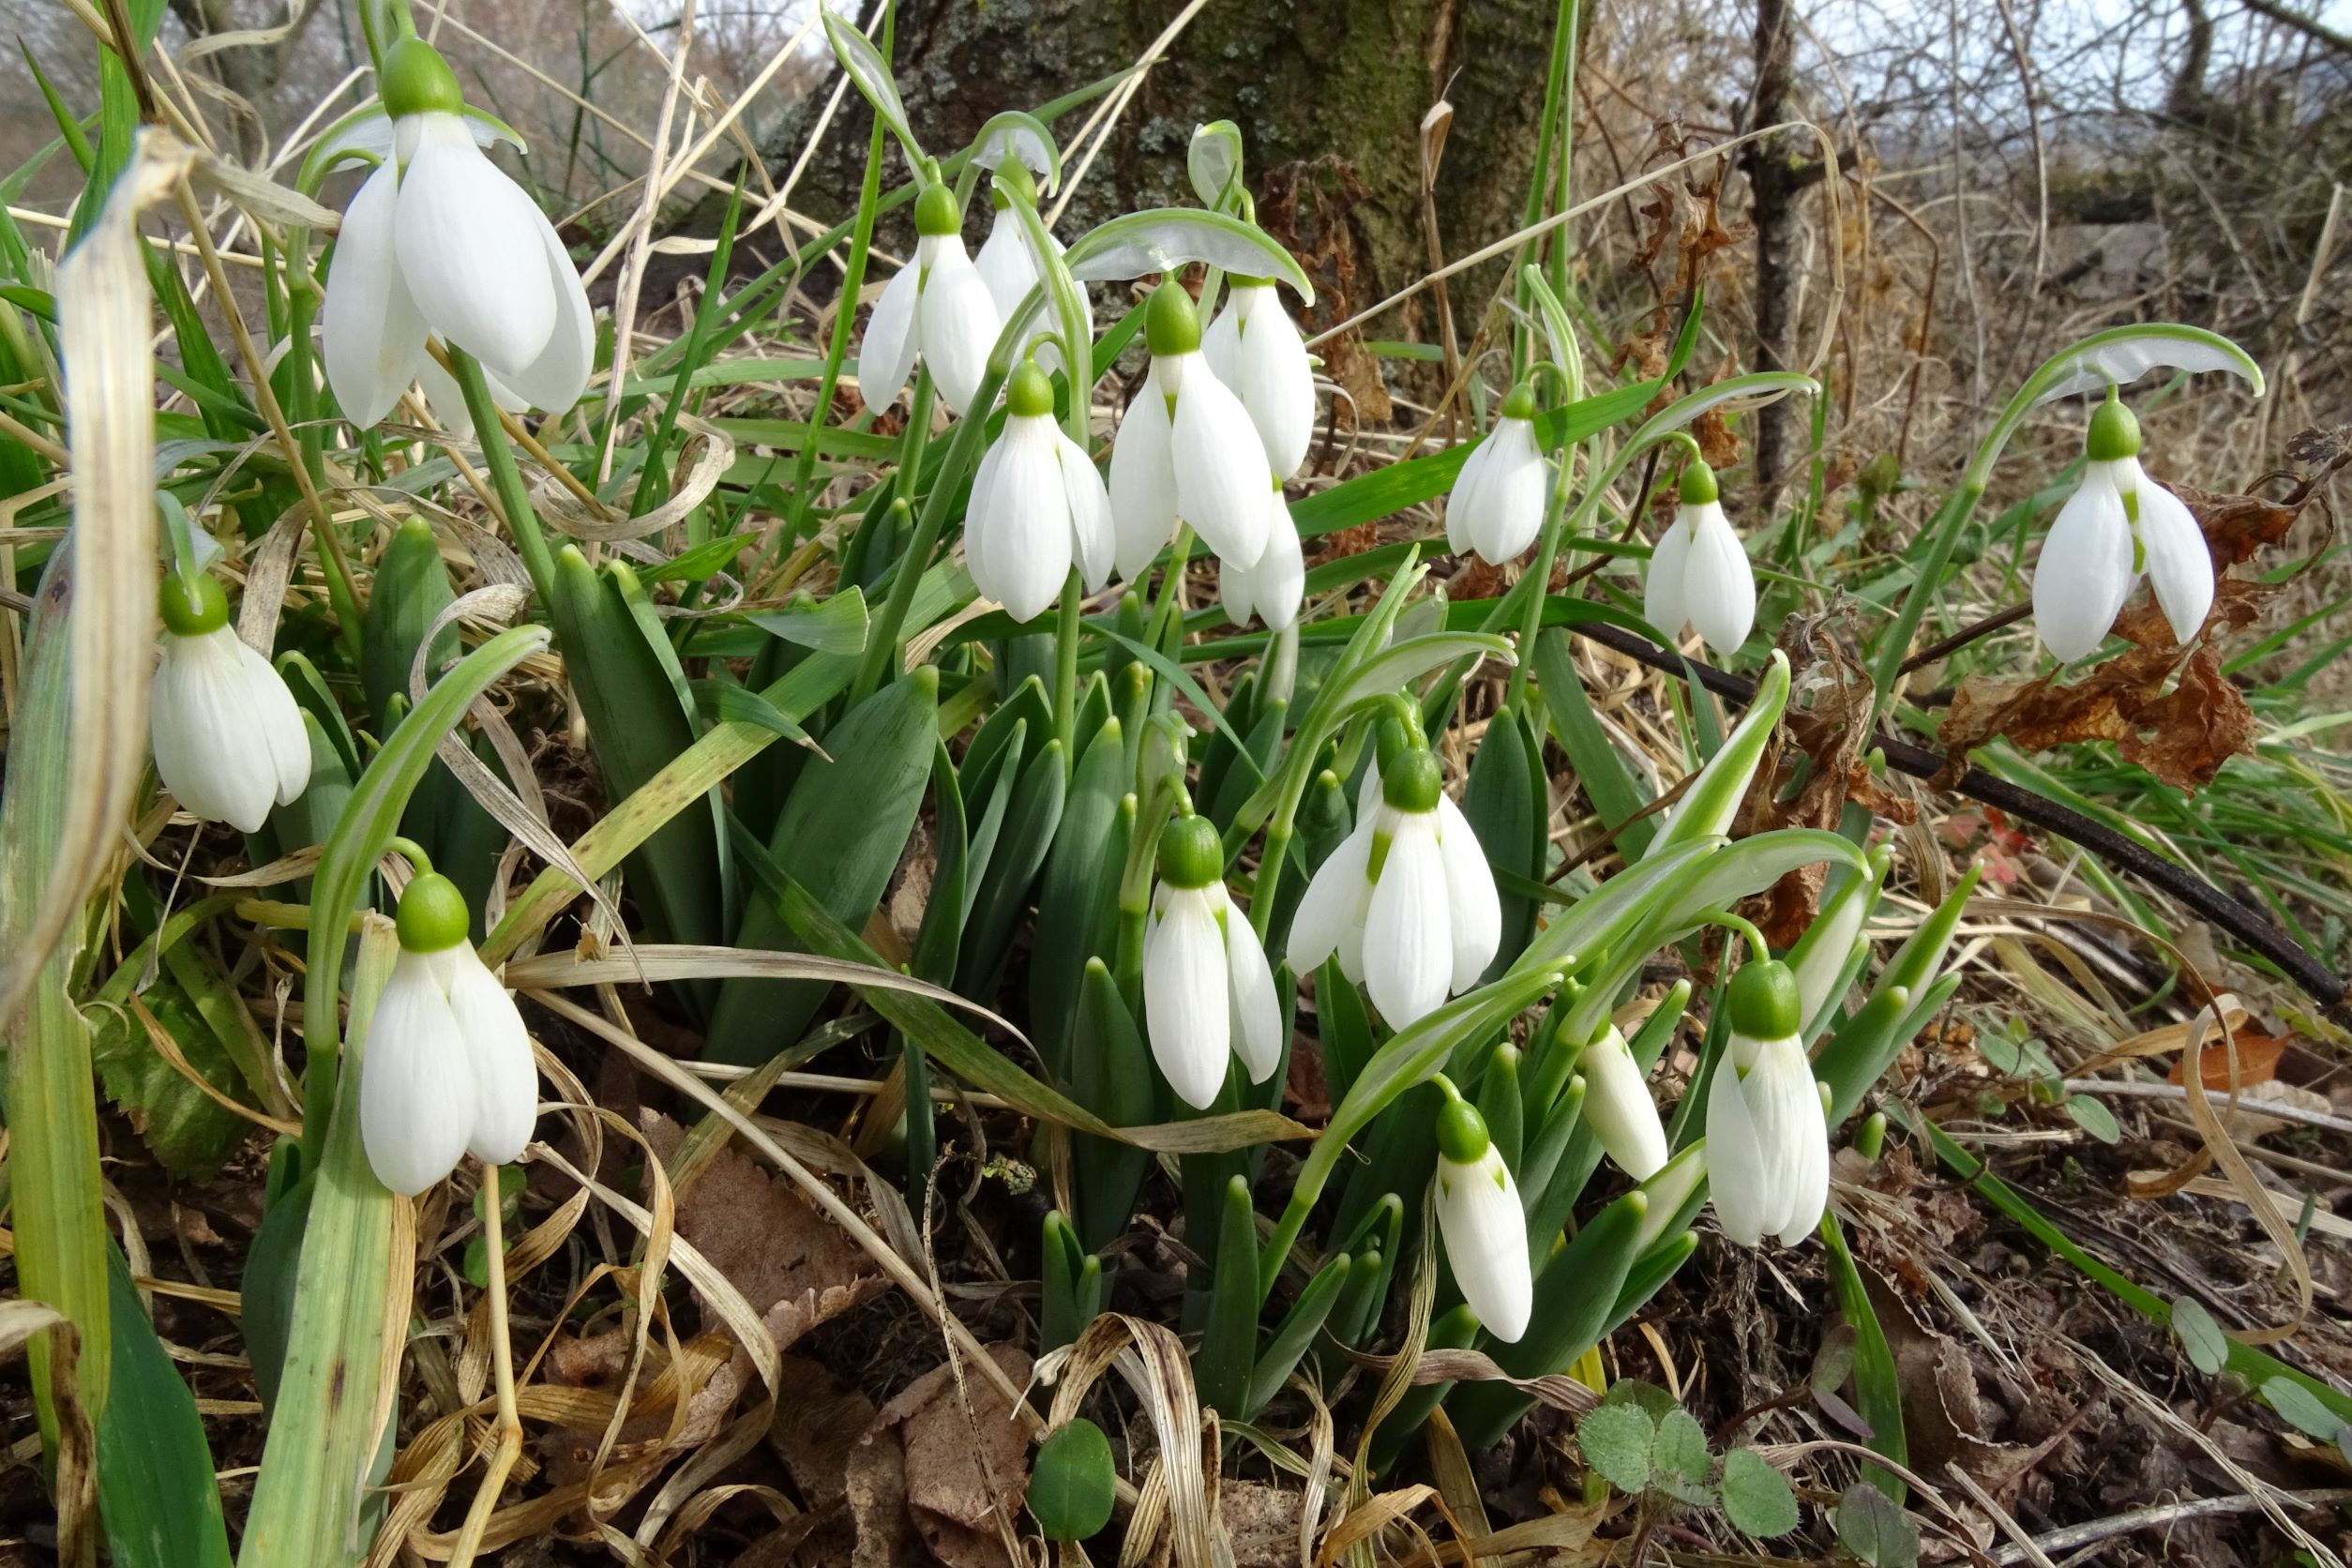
{"x":2237,"y":526}
{"x":929,"y":1471}
{"x":2258,"y":1061}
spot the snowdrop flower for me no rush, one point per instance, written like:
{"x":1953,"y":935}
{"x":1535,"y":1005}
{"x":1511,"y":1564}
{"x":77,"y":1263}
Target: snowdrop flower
{"x":1185,"y":449}
{"x":1003,"y":261}
{"x":439,"y":240}
{"x":1618,"y":1107}
{"x":1479,"y":1217}
{"x":1822,"y":955}
{"x":229,"y":741}
{"x":1275,"y":587}
{"x":1037,"y":504}
{"x":2115,"y":526}
{"x":1408,"y":901}
{"x":938,"y":310}
{"x":1254,"y":349}
{"x":1496,"y":505}
{"x":1768,"y":1139}
{"x":1699,"y":572}
{"x":448,"y":1069}
{"x":1208,"y":991}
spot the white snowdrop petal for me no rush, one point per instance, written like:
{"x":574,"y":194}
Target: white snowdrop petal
{"x":1462,"y":501}
{"x":1333,"y":902}
{"x":468,"y":241}
{"x":1220,"y":468}
{"x":1278,"y":583}
{"x":955,"y":325}
{"x":1256,"y":1006}
{"x":1662,"y":602}
{"x":1275,"y":382}
{"x":1485,"y":1243}
{"x":206,"y":712}
{"x":1185,"y":1007}
{"x":505,"y":1079}
{"x":1005,"y":266}
{"x":1511,"y":498}
{"x":1221,"y":341}
{"x":373,"y":337}
{"x":2084,"y":571}
{"x":1618,"y":1106}
{"x":277,"y":730}
{"x":1735,"y":1169}
{"x":2178,"y":563}
{"x":1143,"y":483}
{"x":1718,"y":584}
{"x":1785,"y":1109}
{"x":554,"y":380}
{"x":1094,"y":542}
{"x":1027,"y":556}
{"x":885,"y":355}
{"x":1475,"y":907}
{"x":1408,"y":925}
{"x":416,"y":1098}
{"x":1236,"y":593}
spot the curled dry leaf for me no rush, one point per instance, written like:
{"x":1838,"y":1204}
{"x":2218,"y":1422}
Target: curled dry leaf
{"x":928,"y":1469}
{"x":2237,"y":526}
{"x":2257,"y":1057}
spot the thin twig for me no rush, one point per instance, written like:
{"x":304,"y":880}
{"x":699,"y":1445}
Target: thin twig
{"x":2165,"y":1514}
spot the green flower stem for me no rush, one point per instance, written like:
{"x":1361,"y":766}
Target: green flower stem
{"x":505,"y":478}
{"x":1067,"y":626}
{"x":1538,"y":577}
{"x":1950,"y":522}
{"x":853,"y":280}
{"x":1166,"y":610}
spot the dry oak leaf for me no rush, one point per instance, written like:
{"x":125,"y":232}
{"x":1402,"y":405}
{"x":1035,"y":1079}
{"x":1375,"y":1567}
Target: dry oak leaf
{"x":927,"y":1472}
{"x":2237,"y":526}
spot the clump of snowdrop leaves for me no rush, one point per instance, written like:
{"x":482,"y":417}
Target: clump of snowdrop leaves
{"x":2117,"y":526}
{"x":939,"y":311}
{"x":1497,"y":504}
{"x":1406,"y":901}
{"x":228,"y":738}
{"x":1481,"y":1220}
{"x":1187,"y":451}
{"x":1768,"y":1137}
{"x":1699,"y":574}
{"x":448,"y":1069}
{"x":439,"y":241}
{"x":1208,"y":991}
{"x":1038,"y":504}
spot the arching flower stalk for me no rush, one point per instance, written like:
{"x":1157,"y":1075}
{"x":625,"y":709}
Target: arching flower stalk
{"x":2117,"y":526}
{"x":1186,"y":451}
{"x":1406,"y":901}
{"x":1496,"y":509}
{"x":1699,"y":574}
{"x":938,"y":310}
{"x":448,"y":1069}
{"x":1038,"y":504}
{"x":1768,"y":1137}
{"x":1208,"y":991}
{"x":228,"y":738}
{"x":439,"y":241}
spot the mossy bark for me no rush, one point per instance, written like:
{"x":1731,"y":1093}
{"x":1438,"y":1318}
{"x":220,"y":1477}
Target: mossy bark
{"x":1328,"y":95}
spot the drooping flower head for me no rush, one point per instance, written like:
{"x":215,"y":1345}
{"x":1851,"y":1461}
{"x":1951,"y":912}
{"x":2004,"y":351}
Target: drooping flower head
{"x":1497,"y":504}
{"x":1254,"y":349}
{"x":1208,"y":991}
{"x":229,"y":740}
{"x":1186,"y":451}
{"x":1406,"y":901}
{"x":1618,"y":1107}
{"x":2117,"y":526}
{"x":1768,"y":1139}
{"x":938,"y":310}
{"x":439,"y":240}
{"x":1699,"y":574}
{"x":1038,"y":506}
{"x":448,"y":1069}
{"x":1480,"y":1218}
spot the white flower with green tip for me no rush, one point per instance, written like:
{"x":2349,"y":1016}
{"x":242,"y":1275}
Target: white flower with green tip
{"x":1481,"y":1220}
{"x":1699,"y":574}
{"x":440,"y":241}
{"x":1255,"y":348}
{"x":447,"y":1070}
{"x":938,"y":310}
{"x":1496,"y":509}
{"x":1406,"y":901}
{"x":227,"y":737}
{"x":1186,"y":451}
{"x":2117,"y":526}
{"x":1208,"y":991}
{"x":1768,"y":1138}
{"x":1038,"y":506}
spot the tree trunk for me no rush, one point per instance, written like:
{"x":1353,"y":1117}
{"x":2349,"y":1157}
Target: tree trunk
{"x":1775,"y":184}
{"x":1328,"y":95}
